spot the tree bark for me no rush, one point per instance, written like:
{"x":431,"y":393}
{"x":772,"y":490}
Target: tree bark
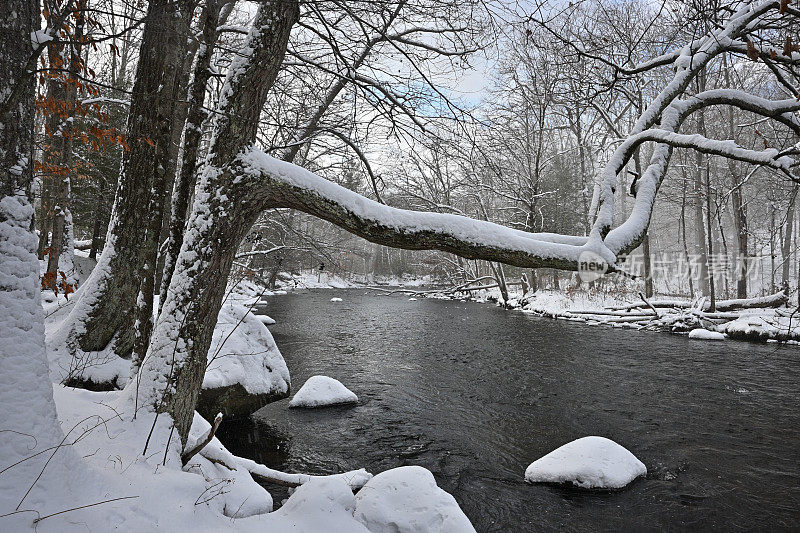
{"x":167,"y":122}
{"x":786,"y":245}
{"x":107,"y":309}
{"x":224,"y":210}
{"x":185,"y":179}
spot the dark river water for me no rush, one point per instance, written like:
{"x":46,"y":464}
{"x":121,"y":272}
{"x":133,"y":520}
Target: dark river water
{"x":475,"y":394}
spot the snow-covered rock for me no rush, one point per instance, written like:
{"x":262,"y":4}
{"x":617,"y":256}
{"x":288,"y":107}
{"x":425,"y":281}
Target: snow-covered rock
{"x":589,"y":463}
{"x":407,"y":500}
{"x":706,"y":335}
{"x":334,"y":299}
{"x":321,"y":391}
{"x":266,"y":320}
{"x":245,"y":368}
{"x":321,"y":504}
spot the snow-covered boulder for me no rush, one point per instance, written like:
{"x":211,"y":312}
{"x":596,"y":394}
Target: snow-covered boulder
{"x":245,"y":368}
{"x":706,"y":335}
{"x":321,"y":504}
{"x":407,"y":500}
{"x":589,"y":463}
{"x":321,"y":391}
{"x":335,"y":299}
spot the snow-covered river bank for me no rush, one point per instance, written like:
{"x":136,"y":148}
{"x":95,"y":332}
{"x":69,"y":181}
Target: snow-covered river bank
{"x":475,"y":393}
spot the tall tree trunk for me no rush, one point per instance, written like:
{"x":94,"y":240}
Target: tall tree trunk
{"x":223,"y":212}
{"x":699,"y":224}
{"x":164,"y":154}
{"x":185,"y":179}
{"x":59,"y":132}
{"x":786,"y":247}
{"x":737,"y":203}
{"x":106,"y":310}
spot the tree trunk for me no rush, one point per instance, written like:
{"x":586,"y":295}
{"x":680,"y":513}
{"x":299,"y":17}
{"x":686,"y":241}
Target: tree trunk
{"x":98,"y":218}
{"x":28,"y":433}
{"x":107,"y":309}
{"x":224,"y":210}
{"x":168,"y":109}
{"x":786,"y":247}
{"x":58,"y":148}
{"x":185,"y":179}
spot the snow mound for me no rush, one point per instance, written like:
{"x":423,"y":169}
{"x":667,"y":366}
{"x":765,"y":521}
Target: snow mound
{"x":706,"y":335}
{"x":243,"y":351}
{"x":407,"y":500}
{"x":412,"y":299}
{"x":266,"y":320}
{"x":321,"y":504}
{"x":334,"y":299}
{"x":589,"y":463}
{"x":320,"y":391}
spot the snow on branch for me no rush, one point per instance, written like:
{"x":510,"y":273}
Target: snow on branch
{"x":287,"y":185}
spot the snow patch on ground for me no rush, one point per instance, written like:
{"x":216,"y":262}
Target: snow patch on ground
{"x":407,"y":500}
{"x":242,"y":349}
{"x":589,"y":463}
{"x":322,"y":391}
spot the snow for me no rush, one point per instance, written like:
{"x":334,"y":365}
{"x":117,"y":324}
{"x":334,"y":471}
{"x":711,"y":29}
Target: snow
{"x":243,"y":350}
{"x":335,"y":299}
{"x":40,"y":37}
{"x":214,"y":492}
{"x":318,"y":506}
{"x":321,"y":391}
{"x":28,"y":424}
{"x":706,"y":335}
{"x":589,"y":463}
{"x":407,"y":500}
{"x":266,"y":320}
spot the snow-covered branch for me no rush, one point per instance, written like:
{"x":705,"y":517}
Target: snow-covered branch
{"x":287,"y":185}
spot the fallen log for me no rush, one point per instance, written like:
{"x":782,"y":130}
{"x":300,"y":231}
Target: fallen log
{"x":770,"y":301}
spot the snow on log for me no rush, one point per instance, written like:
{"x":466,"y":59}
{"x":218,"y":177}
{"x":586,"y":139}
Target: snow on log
{"x":772,"y":300}
{"x":706,"y":335}
{"x":407,"y":500}
{"x":266,"y":320}
{"x":322,"y":391}
{"x":589,"y":463}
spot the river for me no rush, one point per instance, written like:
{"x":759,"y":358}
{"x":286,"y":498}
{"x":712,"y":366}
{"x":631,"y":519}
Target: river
{"x":475,"y":393}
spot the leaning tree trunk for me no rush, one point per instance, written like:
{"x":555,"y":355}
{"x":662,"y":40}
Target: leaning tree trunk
{"x":106,"y":309}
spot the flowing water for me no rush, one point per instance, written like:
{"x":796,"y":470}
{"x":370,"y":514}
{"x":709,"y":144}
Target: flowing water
{"x":475,"y":394}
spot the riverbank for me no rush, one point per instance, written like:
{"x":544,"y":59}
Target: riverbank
{"x":763,"y":319}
